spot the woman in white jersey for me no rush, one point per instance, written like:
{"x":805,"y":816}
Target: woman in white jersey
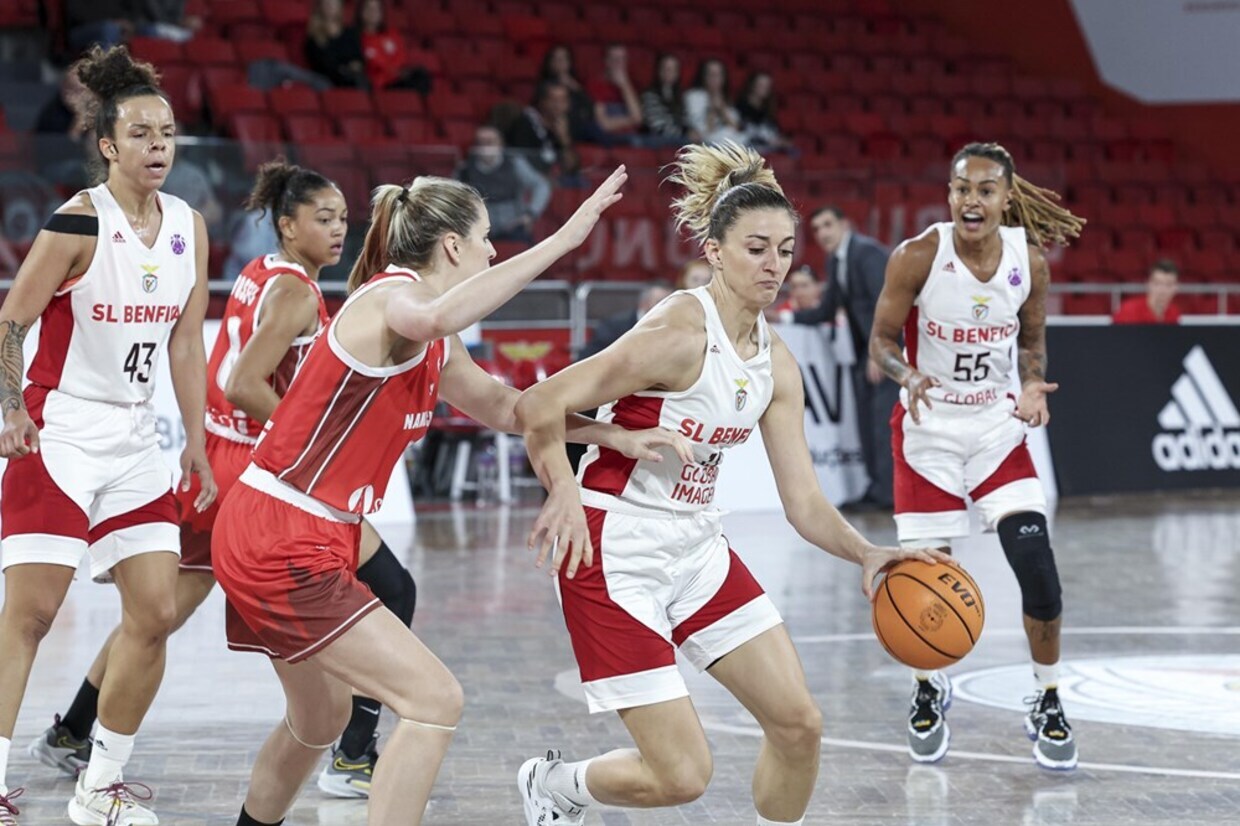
{"x":966,"y":295}
{"x":645,"y":564}
{"x":119,"y":271}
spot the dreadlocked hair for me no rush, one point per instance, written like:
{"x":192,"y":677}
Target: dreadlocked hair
{"x":1034,"y":208}
{"x":721,"y":182}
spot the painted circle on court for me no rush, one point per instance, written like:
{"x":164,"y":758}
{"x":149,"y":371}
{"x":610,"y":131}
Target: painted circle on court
{"x":1199,"y":693}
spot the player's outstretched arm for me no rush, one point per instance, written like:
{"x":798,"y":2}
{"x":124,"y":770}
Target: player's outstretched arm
{"x":489,"y":401}
{"x":187,"y":361}
{"x":417,"y":315}
{"x":806,"y":506}
{"x":907,"y":270}
{"x":53,"y":258}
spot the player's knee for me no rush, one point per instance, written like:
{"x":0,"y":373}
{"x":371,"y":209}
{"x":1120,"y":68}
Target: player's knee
{"x":151,"y":622}
{"x":31,"y":622}
{"x":687,"y":781}
{"x":322,"y":723}
{"x":796,"y":730}
{"x":1027,"y":545}
{"x":441,"y":703}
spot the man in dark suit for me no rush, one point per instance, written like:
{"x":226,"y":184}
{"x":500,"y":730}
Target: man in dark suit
{"x":856,"y":266}
{"x":612,"y":327}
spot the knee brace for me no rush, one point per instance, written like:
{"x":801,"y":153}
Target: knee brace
{"x":391,"y":583}
{"x":1027,"y":546}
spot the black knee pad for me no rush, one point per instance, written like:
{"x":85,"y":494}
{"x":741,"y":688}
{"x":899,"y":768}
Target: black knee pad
{"x":1027,"y":545}
{"x":391,"y":583}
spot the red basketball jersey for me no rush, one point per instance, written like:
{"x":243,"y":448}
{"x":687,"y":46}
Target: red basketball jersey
{"x":343,"y":425}
{"x":241,"y":318}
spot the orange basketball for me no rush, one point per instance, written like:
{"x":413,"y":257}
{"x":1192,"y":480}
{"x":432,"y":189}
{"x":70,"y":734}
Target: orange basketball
{"x":928,"y":616}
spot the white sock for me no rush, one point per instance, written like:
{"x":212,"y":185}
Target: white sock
{"x":108,"y":757}
{"x":569,"y":780}
{"x":922,"y":675}
{"x":762,"y":821}
{"x":5,"y":745}
{"x":1046,"y":675}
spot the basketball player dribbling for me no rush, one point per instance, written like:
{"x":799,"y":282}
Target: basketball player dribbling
{"x":644,"y":567}
{"x":118,"y":272}
{"x":272,"y":316}
{"x":285,"y":543}
{"x":966,"y":293}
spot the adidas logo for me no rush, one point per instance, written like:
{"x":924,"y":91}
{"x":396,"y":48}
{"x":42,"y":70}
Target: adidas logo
{"x":1203,"y":419}
{"x":118,"y":238}
{"x":950,"y":266}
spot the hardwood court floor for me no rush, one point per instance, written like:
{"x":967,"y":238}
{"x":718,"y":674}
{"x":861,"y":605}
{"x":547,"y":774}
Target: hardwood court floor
{"x":1152,"y":683}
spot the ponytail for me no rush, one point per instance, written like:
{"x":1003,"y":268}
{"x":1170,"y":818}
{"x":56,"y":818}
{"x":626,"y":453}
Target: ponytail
{"x":721,"y":182}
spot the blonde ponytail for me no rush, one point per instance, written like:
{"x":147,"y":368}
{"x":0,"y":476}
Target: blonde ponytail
{"x":721,"y":182}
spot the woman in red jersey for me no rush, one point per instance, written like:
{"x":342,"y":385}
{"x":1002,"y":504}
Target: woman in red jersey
{"x":118,"y":273}
{"x":272,"y":316}
{"x":646,"y":567}
{"x":285,"y":542}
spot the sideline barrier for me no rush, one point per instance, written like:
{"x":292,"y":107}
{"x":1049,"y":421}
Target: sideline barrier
{"x":1143,"y":408}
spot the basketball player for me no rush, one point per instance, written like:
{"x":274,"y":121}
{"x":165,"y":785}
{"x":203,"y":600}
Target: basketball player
{"x":118,"y":271}
{"x":966,"y":293}
{"x":273,"y":314}
{"x":645,"y":564}
{"x":284,"y":548}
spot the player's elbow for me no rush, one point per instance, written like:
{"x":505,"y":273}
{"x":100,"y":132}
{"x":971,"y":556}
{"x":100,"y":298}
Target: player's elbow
{"x":534,"y":409}
{"x":238,"y":391}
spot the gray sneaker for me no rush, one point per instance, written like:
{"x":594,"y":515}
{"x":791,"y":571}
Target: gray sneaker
{"x":542,"y":806}
{"x":59,"y":749}
{"x":1054,"y":747}
{"x":346,"y":776}
{"x":928,"y":734}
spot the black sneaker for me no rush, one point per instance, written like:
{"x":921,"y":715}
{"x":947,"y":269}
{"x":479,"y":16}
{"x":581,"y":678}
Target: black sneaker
{"x":928,"y":734}
{"x":1048,"y":728}
{"x":59,"y":749}
{"x":347,"y":776}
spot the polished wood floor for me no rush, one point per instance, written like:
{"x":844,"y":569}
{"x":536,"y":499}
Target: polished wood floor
{"x":1152,"y":683}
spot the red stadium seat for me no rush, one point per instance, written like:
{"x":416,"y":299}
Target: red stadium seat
{"x":412,"y":130}
{"x":361,"y":129}
{"x":326,"y":154}
{"x":393,"y":103}
{"x":156,"y":50}
{"x":249,"y":51}
{"x":210,"y":51}
{"x":309,"y":128}
{"x":340,"y":102}
{"x":295,"y":100}
{"x":230,"y":99}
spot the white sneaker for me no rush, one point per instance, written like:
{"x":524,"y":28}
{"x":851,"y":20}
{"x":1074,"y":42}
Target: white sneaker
{"x":542,"y":807}
{"x":112,"y":805}
{"x":8,"y":811}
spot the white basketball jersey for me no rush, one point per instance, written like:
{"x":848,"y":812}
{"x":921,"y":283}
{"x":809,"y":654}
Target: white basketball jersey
{"x":962,"y":331}
{"x":102,"y":334}
{"x":719,"y":411}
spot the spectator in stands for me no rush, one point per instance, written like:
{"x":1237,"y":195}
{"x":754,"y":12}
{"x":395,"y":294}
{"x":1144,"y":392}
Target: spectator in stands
{"x":190,"y":182}
{"x":617,"y":107}
{"x":110,"y":22}
{"x":167,"y":19}
{"x":514,"y":193}
{"x":856,"y":267}
{"x":544,"y":131}
{"x":756,"y":107}
{"x":62,"y":160}
{"x":804,"y":292}
{"x":1157,"y":305}
{"x":663,"y":105}
{"x":610,"y":329}
{"x":696,"y":273}
{"x":385,"y":53}
{"x":707,"y":108}
{"x":559,"y":66}
{"x":332,"y":50}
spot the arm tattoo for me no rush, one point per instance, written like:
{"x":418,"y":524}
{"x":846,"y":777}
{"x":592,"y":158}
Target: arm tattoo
{"x":1032,"y":362}
{"x":891,"y":362}
{"x":12,"y":365}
